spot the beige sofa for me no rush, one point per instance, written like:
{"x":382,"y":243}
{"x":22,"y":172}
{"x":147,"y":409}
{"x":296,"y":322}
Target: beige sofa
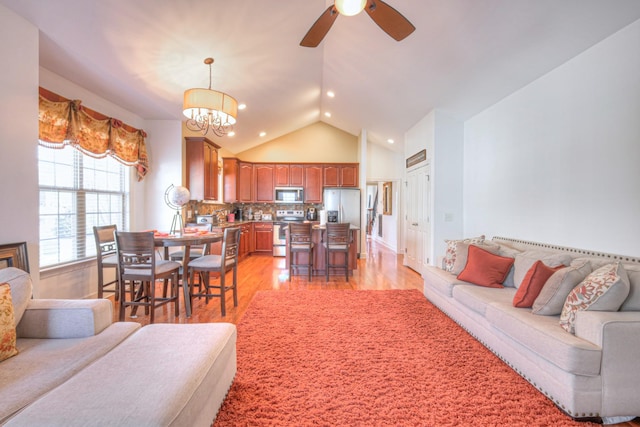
{"x":592,"y":374}
{"x":77,"y":368}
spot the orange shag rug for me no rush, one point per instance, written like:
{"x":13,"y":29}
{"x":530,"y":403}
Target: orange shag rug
{"x":371,"y":358}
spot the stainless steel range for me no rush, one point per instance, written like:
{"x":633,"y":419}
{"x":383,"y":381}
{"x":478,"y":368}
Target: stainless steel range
{"x":283,"y":217}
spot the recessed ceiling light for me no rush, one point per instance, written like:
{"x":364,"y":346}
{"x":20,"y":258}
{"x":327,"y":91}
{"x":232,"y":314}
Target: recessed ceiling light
{"x":327,"y":114}
{"x":242,"y":106}
{"x":331,"y":94}
{"x":390,"y":141}
{"x":232,"y":133}
{"x":263,"y":134}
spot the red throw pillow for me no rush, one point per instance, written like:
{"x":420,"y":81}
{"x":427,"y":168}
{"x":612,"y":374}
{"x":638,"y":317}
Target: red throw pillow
{"x":532,"y":284}
{"x":485,"y":269}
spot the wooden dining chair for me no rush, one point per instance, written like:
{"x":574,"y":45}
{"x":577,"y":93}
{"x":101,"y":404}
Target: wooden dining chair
{"x":107,"y":258}
{"x":337,"y":239}
{"x":214,"y":263}
{"x":137,"y":265}
{"x":300,"y":241}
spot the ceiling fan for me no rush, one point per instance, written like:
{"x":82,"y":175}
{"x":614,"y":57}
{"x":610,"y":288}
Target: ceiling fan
{"x":390,"y":20}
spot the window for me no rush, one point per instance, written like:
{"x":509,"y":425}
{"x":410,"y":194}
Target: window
{"x":76,"y":193}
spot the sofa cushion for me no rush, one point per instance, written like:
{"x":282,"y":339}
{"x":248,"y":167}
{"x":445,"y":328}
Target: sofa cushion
{"x":43,"y":364}
{"x":555,"y":291}
{"x":533,"y":283}
{"x":602,"y":290}
{"x":485,"y":269}
{"x":451,"y":251}
{"x":544,"y":336}
{"x":167,"y":374}
{"x":21,"y":288}
{"x":524,"y":261}
{"x":632,"y":303}
{"x":477,"y":298}
{"x":7,"y":324}
{"x":507,"y":251}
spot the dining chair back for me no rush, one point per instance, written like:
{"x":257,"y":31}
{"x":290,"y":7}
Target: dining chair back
{"x":214,"y":263}
{"x":139,"y":266}
{"x":337,"y":239}
{"x":107,"y":258}
{"x":300,"y":241}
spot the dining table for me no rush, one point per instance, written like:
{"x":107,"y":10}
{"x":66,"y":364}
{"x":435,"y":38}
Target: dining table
{"x":185,"y":240}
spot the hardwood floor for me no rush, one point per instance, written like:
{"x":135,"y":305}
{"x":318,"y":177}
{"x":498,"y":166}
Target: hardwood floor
{"x":382,"y":269}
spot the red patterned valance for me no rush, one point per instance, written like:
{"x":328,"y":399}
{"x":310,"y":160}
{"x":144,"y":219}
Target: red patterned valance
{"x":66,"y":122}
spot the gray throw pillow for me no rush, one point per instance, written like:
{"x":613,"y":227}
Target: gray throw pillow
{"x":555,"y":291}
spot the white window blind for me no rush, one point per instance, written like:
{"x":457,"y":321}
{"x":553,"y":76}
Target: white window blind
{"x":76,"y":193}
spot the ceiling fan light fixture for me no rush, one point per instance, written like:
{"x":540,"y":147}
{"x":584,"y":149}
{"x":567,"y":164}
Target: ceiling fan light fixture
{"x":207,"y":109}
{"x":350,"y":7}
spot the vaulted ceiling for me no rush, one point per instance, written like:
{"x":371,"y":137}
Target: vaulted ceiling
{"x":463,"y":56}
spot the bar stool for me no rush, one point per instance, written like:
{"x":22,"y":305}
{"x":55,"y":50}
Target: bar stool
{"x":300,"y":241}
{"x":227,"y":260}
{"x":337,"y":239}
{"x":106,"y":256}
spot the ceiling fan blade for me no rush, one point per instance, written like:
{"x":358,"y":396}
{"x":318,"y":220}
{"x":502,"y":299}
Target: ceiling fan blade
{"x":390,"y":20}
{"x":320,"y":28}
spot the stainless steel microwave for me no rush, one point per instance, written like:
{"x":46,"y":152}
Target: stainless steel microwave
{"x":289,"y":195}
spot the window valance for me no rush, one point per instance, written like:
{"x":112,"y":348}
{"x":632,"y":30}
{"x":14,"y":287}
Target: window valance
{"x":68,"y":122}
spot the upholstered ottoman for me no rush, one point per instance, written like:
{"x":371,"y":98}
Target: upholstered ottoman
{"x":162,"y":375}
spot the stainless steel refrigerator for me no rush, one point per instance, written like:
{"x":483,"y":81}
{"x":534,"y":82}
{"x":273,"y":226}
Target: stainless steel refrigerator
{"x":346,"y":201}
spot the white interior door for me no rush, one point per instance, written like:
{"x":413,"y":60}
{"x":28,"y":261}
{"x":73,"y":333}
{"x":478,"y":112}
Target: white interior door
{"x":417,"y":219}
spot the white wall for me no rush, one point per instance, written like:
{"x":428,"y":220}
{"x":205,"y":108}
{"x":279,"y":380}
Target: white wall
{"x":19,"y":83}
{"x":442,"y":136}
{"x":559,"y":160}
{"x":384,"y":165}
{"x":165,"y":146}
{"x":19,"y":135}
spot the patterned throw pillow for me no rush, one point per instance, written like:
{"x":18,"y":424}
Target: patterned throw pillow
{"x":450,"y":254}
{"x":605,"y":289}
{"x":7,"y":324}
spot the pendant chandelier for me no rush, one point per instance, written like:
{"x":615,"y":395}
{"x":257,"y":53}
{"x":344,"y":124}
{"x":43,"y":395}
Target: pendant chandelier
{"x":208,"y":109}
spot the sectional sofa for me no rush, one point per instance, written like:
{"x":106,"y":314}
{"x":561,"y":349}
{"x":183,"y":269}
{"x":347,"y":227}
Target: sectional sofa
{"x":585,"y":358}
{"x":74,"y":367}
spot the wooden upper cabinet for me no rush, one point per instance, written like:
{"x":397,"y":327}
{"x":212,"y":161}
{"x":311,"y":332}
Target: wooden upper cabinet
{"x":296,"y":175}
{"x":202,"y":168}
{"x":238,"y":180}
{"x":289,"y":175}
{"x":340,"y":175}
{"x":245,"y":182}
{"x":349,"y":175}
{"x":313,"y":184}
{"x":263,"y":183}
{"x":230,"y":170}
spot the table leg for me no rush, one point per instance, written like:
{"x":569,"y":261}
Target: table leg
{"x":185,"y":281}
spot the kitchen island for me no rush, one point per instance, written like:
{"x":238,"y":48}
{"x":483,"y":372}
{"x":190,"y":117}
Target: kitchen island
{"x":319,"y":254}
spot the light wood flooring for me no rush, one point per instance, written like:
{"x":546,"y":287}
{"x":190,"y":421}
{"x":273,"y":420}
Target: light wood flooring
{"x":382,"y":269}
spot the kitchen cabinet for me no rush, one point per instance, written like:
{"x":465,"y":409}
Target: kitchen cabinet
{"x":340,"y":175}
{"x":313,"y":184}
{"x":202,"y":168}
{"x":289,"y":175}
{"x":245,"y":240}
{"x":263,"y":175}
{"x":238,"y":180}
{"x":245,"y":182}
{"x":263,"y":237}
